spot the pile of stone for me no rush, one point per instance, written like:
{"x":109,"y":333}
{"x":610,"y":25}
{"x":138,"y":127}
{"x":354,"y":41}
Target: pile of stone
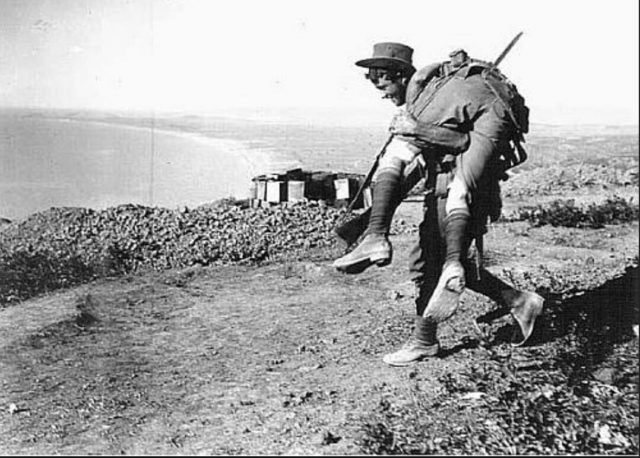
{"x":65,"y":246}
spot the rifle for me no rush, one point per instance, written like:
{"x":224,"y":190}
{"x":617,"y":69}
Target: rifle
{"x":507,"y":49}
{"x":351,"y":230}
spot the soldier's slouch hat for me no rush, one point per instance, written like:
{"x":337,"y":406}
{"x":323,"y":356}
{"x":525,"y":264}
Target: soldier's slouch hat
{"x":389,"y":55}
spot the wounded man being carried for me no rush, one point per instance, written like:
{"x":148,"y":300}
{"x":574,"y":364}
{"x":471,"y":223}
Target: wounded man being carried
{"x":464,"y":121}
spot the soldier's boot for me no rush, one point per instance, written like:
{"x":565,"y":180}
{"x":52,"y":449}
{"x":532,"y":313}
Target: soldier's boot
{"x":422,"y":344}
{"x":445,"y":299}
{"x":524,"y":306}
{"x":375,"y":248}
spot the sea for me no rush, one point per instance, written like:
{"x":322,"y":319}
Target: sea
{"x":99,"y":160}
{"x":58,"y":161}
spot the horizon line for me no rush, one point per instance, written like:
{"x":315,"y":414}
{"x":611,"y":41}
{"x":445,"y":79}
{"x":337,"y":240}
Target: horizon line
{"x":204,"y":114}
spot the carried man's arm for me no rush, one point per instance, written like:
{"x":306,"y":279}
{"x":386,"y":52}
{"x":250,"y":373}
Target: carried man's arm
{"x":441,"y":140}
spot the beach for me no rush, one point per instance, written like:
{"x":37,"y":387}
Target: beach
{"x":64,"y":162}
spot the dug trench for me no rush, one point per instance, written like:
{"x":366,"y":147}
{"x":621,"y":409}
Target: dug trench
{"x":286,"y":358}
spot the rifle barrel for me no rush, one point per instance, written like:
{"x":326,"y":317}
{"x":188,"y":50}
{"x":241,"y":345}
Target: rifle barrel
{"x":507,"y":49}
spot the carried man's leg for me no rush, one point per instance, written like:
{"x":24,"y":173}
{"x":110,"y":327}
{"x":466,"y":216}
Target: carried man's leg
{"x":524,"y":306}
{"x":375,"y":248}
{"x":445,"y":299}
{"x":351,"y":230}
{"x":468,"y":172}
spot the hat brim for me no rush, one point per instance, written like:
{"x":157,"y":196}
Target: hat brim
{"x":385,"y":62}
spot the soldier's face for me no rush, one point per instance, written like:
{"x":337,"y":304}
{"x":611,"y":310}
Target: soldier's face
{"x":391,"y":83}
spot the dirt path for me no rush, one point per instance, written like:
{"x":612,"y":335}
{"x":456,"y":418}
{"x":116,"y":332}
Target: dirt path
{"x":279,"y":359}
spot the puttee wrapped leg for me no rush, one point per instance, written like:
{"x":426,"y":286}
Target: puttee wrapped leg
{"x":445,"y":299}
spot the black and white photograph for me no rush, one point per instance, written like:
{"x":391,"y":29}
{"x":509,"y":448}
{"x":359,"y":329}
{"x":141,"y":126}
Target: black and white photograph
{"x":302,"y":228}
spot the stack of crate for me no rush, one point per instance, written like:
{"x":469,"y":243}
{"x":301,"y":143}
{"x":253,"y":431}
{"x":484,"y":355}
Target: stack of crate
{"x":336,"y":189}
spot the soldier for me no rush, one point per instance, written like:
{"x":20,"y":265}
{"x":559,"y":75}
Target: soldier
{"x":465,"y":120}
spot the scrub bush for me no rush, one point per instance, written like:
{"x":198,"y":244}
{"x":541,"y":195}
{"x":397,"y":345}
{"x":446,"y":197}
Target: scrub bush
{"x":566,"y":213}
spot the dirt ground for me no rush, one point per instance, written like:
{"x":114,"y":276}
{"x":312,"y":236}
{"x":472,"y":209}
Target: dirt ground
{"x":284,"y":358}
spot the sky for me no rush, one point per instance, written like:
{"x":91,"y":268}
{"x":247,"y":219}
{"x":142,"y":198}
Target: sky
{"x":576,"y":63}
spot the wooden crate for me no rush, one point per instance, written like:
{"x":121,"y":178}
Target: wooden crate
{"x":295,"y":191}
{"x":276,"y":191}
{"x":261,"y":190}
{"x":346,"y":190}
{"x":343,"y":192}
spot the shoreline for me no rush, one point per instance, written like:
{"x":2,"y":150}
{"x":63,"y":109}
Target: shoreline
{"x":271,"y":160}
{"x":226,"y":173}
{"x":226,"y":144}
{"x":259,"y":151}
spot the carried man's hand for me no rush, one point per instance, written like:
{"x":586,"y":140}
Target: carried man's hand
{"x":428,"y":138}
{"x":405,"y":127}
{"x":403,"y":124}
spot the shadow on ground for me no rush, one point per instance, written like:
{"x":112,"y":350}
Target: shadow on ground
{"x":605,"y":314}
{"x":598,"y":318}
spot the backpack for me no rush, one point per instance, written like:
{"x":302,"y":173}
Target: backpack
{"x":518,"y":112}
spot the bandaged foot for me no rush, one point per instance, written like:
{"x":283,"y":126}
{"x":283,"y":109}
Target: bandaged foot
{"x":446,"y":297}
